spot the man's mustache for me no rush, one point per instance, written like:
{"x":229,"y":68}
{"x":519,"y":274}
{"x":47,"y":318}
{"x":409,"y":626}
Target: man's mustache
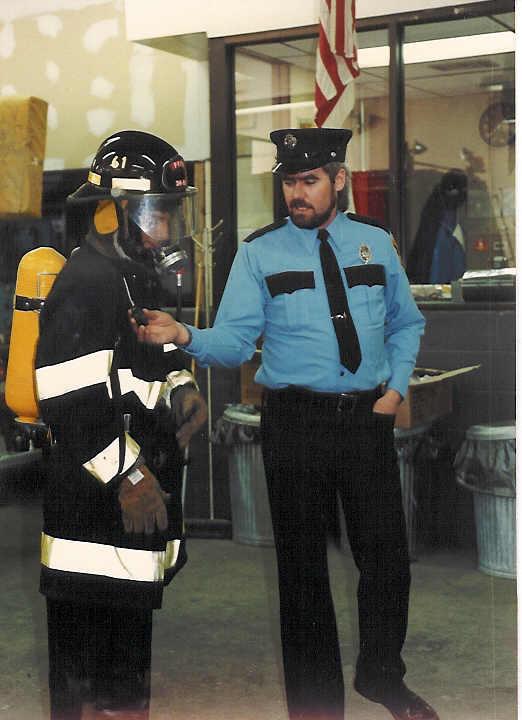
{"x":299,"y":205}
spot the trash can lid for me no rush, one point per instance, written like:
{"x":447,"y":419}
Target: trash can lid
{"x":406,"y":433}
{"x":242,"y":414}
{"x":495,"y":431}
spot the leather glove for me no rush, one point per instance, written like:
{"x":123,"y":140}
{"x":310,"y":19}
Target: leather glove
{"x":143,"y":504}
{"x":190,"y":412}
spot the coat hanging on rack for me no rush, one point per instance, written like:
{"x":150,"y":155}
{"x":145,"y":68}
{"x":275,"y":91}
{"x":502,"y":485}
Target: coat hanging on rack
{"x":436,"y":232}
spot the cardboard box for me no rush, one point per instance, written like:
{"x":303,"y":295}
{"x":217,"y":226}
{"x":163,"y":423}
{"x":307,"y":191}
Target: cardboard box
{"x":23,"y":128}
{"x":430,"y":396}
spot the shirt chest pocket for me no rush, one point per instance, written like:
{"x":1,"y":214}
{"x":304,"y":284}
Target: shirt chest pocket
{"x":290,"y":292}
{"x":366,"y":292}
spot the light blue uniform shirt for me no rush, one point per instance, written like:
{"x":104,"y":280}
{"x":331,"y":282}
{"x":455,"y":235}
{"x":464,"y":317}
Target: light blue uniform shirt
{"x":276,"y":290}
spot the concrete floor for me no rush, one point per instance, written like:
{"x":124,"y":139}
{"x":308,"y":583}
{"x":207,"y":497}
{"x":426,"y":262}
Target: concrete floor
{"x":216,"y":652}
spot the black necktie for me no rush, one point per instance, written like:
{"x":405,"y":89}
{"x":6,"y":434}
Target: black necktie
{"x":349,"y":348}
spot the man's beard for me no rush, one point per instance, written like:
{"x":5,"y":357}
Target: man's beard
{"x":310,"y":221}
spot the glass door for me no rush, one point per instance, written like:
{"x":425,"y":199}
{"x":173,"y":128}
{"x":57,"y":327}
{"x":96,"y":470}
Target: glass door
{"x":460,"y":150}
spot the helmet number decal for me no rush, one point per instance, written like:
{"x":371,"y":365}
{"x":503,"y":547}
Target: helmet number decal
{"x":115,"y":162}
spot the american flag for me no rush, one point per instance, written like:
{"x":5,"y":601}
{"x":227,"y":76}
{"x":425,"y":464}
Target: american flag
{"x":336,"y":62}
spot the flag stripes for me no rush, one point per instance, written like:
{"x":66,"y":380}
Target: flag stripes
{"x":336,"y":64}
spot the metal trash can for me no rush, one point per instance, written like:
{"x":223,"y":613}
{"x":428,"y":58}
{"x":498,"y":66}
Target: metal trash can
{"x":238,"y":429}
{"x":406,"y":442}
{"x":485,"y":464}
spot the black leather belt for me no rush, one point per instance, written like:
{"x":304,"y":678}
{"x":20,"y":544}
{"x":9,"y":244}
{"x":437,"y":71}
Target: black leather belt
{"x":339,"y":402}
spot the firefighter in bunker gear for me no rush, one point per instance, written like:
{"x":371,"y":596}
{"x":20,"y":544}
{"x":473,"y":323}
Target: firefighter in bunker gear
{"x":119,"y":414}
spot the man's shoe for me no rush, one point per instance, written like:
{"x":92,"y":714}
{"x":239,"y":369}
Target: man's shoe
{"x":402,"y":703}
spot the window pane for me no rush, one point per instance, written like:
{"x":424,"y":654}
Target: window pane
{"x":274,"y":85}
{"x":368,"y":156}
{"x":460,"y":174}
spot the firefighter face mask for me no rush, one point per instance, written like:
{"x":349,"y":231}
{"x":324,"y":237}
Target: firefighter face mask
{"x":167,"y":223}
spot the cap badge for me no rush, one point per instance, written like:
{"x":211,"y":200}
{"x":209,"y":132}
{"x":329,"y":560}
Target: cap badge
{"x":365,"y":253}
{"x":289,"y":141}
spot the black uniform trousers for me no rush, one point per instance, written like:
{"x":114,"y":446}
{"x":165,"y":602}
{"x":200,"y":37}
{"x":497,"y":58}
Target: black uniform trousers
{"x":99,"y":654}
{"x":315,"y":446}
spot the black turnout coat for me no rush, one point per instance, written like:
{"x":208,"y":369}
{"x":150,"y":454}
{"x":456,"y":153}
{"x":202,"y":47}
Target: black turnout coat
{"x":91,"y":372}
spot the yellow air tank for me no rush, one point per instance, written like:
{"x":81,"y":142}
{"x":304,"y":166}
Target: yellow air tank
{"x":36,"y":274}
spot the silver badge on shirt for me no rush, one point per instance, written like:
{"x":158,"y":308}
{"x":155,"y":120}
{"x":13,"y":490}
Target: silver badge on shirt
{"x":365,"y":253}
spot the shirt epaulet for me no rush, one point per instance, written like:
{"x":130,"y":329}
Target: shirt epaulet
{"x":368,"y":221}
{"x":262,"y":231}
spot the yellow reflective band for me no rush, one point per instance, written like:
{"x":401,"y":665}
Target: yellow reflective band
{"x":94,"y":178}
{"x":177,"y":378}
{"x":104,"y":466}
{"x":55,"y":380}
{"x":76,"y":556}
{"x":171,"y":554}
{"x":131,"y":183}
{"x":147,"y":391}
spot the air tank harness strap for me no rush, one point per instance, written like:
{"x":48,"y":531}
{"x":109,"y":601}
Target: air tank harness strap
{"x":26,"y":303}
{"x":116,"y":398}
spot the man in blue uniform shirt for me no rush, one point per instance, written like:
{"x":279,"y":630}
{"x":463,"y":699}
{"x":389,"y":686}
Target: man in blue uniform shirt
{"x":327,"y":293}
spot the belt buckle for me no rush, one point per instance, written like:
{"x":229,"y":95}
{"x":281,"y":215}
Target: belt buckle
{"x":343,"y":397}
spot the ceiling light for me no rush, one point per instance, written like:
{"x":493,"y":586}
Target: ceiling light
{"x":274,"y":108}
{"x":459,"y":47}
{"x":443,"y":49}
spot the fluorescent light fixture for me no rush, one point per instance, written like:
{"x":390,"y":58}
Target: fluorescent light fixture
{"x":275,"y":108}
{"x":459,"y":47}
{"x":496,"y":87}
{"x":443,"y":49}
{"x":373,"y":57}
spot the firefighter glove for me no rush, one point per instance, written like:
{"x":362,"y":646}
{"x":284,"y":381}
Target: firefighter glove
{"x":143,"y":502}
{"x":189,"y":410}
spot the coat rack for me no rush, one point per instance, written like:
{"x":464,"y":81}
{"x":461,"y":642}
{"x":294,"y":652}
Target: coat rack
{"x":205,"y":247}
{"x":205,"y":289}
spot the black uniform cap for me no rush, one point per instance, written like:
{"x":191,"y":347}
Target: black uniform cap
{"x":308,"y":148}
